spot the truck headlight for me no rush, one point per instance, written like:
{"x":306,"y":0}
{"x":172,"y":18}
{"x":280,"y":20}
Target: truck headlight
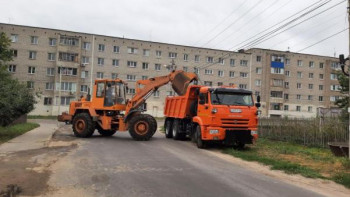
{"x":214,"y":110}
{"x":252,"y":132}
{"x":213,"y":131}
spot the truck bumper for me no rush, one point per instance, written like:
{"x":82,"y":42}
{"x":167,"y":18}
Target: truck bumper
{"x":230,"y":136}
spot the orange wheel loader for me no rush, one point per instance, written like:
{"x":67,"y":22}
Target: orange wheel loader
{"x":109,"y":111}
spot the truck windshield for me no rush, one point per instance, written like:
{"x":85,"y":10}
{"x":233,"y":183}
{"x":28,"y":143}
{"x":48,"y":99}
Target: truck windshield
{"x":228,"y":98}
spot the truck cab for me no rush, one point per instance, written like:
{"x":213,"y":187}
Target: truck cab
{"x":222,"y":114}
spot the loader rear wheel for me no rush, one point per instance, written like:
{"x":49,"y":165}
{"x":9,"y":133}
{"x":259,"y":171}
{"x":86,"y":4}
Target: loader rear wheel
{"x":105,"y":132}
{"x":142,"y":127}
{"x":83,"y":126}
{"x":198,"y":136}
{"x":168,"y":128}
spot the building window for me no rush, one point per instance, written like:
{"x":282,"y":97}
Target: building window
{"x":286,"y":96}
{"x":232,"y":74}
{"x":232,"y":62}
{"x":68,"y":40}
{"x":68,"y":71}
{"x":132,"y":64}
{"x":114,"y":75}
{"x":34,"y":39}
{"x":50,"y":71}
{"x":99,"y":75}
{"x":172,"y":55}
{"x":86,"y":46}
{"x":144,"y":77}
{"x":66,"y":86}
{"x":131,"y":91}
{"x":244,"y":62}
{"x":243,"y":86}
{"x":69,"y":57}
{"x":287,"y":61}
{"x":286,"y":108}
{"x":100,"y":61}
{"x":208,"y":83}
{"x":83,"y":88}
{"x":115,"y":62}
{"x":156,"y":94}
{"x":132,"y":50}
{"x":298,"y":108}
{"x":101,"y":47}
{"x":309,"y":97}
{"x":145,"y":66}
{"x":196,"y":70}
{"x":116,"y":49}
{"x":243,"y":74}
{"x":186,"y":57}
{"x":300,"y":63}
{"x":31,"y":69}
{"x":311,"y":64}
{"x":84,"y":74}
{"x":220,"y":73}
{"x":258,"y":58}
{"x":12,"y":68}
{"x":320,"y":87}
{"x":196,"y":58}
{"x":334,"y":76}
{"x":277,"y":82}
{"x":32,"y":55}
{"x":210,"y":59}
{"x":257,"y":82}
{"x":321,"y":65}
{"x":30,"y":84}
{"x":258,"y":70}
{"x":51,"y":56}
{"x":276,"y":94}
{"x":65,"y":100}
{"x":335,"y":87}
{"x":146,"y":52}
{"x":220,"y":83}
{"x":14,"y":38}
{"x":85,"y":60}
{"x":170,"y":93}
{"x":335,"y":65}
{"x":157,"y":67}
{"x":52,"y":41}
{"x":311,"y":75}
{"x":221,"y":61}
{"x":298,"y":97}
{"x":298,"y":85}
{"x":287,"y":73}
{"x":320,"y":98}
{"x":208,"y":72}
{"x":286,"y":84}
{"x":47,"y":101}
{"x":14,"y":52}
{"x":185,"y":68}
{"x":159,"y":53}
{"x":300,"y":75}
{"x":311,"y":86}
{"x":131,"y":77}
{"x":321,"y":76}
{"x":49,"y":86}
{"x":309,"y":109}
{"x":277,"y":70}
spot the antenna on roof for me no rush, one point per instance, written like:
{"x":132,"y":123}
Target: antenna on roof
{"x":335,"y":53}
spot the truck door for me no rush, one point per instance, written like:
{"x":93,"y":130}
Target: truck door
{"x":203,"y":107}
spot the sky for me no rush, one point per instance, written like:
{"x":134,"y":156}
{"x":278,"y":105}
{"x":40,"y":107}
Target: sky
{"x":219,"y":24}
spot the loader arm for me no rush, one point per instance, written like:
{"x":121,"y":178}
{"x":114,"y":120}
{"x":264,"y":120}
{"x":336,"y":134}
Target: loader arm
{"x":145,"y":88}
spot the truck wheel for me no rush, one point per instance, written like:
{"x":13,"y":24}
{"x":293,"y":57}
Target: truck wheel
{"x":168,"y":129}
{"x":142,"y":127}
{"x":176,"y":131}
{"x":83,"y":126}
{"x":105,"y":132}
{"x":198,"y":136}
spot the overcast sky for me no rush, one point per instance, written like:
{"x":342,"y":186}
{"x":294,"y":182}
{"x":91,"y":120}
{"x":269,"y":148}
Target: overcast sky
{"x":221,"y":24}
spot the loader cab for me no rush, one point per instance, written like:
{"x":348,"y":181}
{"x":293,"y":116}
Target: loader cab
{"x":109,"y":93}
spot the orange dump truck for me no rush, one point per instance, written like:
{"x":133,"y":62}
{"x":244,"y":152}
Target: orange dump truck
{"x":213,"y":114}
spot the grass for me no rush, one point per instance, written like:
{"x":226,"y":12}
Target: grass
{"x":42,"y":117}
{"x":292,"y":158}
{"x":9,"y":132}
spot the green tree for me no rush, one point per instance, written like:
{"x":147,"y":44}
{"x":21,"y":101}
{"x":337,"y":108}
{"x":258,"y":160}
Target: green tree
{"x":15,"y":98}
{"x":344,"y":89}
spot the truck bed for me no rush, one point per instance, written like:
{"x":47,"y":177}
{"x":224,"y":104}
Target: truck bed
{"x":179,"y":106}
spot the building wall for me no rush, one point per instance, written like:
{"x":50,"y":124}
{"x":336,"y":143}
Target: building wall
{"x":245,"y":69}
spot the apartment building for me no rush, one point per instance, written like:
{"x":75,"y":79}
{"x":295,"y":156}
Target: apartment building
{"x":61,"y":66}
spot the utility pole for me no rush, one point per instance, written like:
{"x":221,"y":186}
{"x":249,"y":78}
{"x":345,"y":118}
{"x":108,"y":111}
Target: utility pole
{"x":348,"y":12}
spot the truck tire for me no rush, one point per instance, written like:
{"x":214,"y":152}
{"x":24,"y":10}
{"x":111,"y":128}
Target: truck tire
{"x":105,"y":132}
{"x":142,"y":127}
{"x":83,"y":126}
{"x":168,"y":128}
{"x":176,"y":131}
{"x":198,"y":136}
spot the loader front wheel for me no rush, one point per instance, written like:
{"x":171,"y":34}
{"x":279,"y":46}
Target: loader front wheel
{"x":83,"y":126}
{"x":142,"y":127}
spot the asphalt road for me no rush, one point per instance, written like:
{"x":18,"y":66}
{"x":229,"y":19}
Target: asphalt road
{"x":120,"y":166}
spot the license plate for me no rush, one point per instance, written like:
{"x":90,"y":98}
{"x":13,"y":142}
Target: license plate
{"x":235,"y":110}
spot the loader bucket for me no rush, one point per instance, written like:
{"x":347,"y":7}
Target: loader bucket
{"x":181,"y":82}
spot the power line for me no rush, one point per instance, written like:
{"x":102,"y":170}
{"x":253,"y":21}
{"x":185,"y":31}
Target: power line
{"x":323,"y":39}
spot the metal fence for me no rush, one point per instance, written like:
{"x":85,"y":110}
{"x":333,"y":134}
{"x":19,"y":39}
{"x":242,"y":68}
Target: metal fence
{"x":309,"y":132}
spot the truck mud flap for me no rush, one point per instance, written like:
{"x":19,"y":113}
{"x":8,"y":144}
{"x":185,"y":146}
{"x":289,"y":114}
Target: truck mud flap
{"x":243,"y":136}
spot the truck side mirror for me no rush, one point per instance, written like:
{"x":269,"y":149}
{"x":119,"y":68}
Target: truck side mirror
{"x":258,"y":99}
{"x":257,"y":105}
{"x":201,"y":99}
